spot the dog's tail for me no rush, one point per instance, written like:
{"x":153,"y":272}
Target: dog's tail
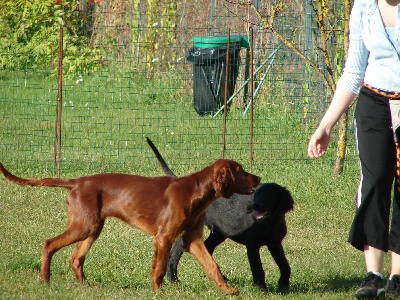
{"x":160,"y":159}
{"x":51,"y":182}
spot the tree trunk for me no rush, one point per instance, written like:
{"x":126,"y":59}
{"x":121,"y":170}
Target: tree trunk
{"x":342,"y":144}
{"x":343,"y":123}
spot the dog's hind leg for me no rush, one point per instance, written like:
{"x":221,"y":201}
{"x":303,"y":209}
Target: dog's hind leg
{"x":78,"y":256}
{"x":213,"y":241}
{"x":173,"y":260}
{"x":278,"y":255}
{"x":83,"y":221}
{"x":73,"y":234}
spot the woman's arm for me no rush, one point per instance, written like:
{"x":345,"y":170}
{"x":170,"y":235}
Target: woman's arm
{"x":320,"y":139}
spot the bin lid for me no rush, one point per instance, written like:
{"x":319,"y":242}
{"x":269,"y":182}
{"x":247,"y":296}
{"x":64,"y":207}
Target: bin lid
{"x":215,"y":41}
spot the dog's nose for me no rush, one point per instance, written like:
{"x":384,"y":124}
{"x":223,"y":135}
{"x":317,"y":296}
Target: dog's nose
{"x":256,"y":206}
{"x":257,"y":180}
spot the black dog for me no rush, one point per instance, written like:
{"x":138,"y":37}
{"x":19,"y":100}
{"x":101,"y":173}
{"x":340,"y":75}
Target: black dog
{"x":253,"y":220}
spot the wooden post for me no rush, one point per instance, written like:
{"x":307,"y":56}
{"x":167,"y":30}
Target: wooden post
{"x":251,"y":95}
{"x":57,"y":128}
{"x":226,"y":92}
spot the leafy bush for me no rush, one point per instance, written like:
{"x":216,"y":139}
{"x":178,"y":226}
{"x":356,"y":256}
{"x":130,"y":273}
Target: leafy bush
{"x":29,"y":36}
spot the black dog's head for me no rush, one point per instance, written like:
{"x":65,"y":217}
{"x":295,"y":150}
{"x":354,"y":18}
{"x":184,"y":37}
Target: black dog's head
{"x":270,"y":200}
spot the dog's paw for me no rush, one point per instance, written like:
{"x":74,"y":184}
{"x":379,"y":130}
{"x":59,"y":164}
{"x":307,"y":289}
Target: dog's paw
{"x":231,"y":291}
{"x":85,"y":281}
{"x":41,"y":280}
{"x":262,"y":286}
{"x":172,"y":278}
{"x":283,"y":285}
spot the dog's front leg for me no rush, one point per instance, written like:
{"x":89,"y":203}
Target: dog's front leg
{"x":278,"y":255}
{"x":197,"y":248}
{"x":253,"y":254}
{"x":162,"y":247}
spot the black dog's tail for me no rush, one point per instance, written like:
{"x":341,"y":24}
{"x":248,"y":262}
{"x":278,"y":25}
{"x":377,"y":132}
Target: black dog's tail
{"x":160,"y":159}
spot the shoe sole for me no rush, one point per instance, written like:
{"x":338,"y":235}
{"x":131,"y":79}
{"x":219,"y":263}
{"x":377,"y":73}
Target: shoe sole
{"x":381,"y":296}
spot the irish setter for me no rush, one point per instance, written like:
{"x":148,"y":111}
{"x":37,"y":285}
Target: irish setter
{"x":165,"y":207}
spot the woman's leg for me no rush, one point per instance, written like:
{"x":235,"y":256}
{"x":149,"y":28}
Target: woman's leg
{"x":377,"y":154}
{"x":373,"y":259}
{"x":369,"y":231}
{"x":395,"y":270}
{"x":394,"y":236}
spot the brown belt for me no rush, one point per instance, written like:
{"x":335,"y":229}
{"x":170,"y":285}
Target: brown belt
{"x":397,"y":165}
{"x":390,"y":95}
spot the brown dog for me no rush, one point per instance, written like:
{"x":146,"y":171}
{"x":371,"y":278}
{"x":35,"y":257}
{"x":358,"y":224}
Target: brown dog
{"x":165,"y":207}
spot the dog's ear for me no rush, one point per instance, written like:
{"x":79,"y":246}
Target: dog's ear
{"x":223,"y":182}
{"x":286,"y":201}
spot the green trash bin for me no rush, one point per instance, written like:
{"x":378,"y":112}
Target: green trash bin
{"x":208,"y":57}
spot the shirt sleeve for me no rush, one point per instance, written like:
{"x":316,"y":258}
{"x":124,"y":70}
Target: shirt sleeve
{"x":357,"y":56}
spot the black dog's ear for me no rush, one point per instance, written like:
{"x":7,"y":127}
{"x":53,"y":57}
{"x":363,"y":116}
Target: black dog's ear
{"x":223,"y":183}
{"x":286,"y":202}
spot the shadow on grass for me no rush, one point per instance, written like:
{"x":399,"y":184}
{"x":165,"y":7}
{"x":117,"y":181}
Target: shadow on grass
{"x":335,"y":284}
{"x":33,"y":265}
{"x":331,"y":285}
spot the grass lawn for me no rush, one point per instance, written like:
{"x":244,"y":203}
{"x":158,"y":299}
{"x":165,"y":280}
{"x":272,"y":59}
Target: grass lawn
{"x":104,"y":127}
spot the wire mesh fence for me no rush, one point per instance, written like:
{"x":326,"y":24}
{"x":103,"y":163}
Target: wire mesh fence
{"x":126,"y":75}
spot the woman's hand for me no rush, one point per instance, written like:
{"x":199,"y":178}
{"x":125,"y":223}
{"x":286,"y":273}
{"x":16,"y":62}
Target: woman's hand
{"x":320,"y":139}
{"x":318,"y":143}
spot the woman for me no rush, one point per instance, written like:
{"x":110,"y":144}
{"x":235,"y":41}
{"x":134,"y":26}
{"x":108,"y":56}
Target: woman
{"x":372,"y":71}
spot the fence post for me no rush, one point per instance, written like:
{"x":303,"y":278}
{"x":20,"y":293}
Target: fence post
{"x":57,"y":127}
{"x":251,"y":95}
{"x":227,"y":61}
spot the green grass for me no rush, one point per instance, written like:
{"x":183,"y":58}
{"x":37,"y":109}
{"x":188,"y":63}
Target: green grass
{"x":105,"y":121}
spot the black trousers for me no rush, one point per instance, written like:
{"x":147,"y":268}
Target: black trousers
{"x":377,"y":153}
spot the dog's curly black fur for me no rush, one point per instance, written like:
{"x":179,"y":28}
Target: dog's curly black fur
{"x":252,"y":220}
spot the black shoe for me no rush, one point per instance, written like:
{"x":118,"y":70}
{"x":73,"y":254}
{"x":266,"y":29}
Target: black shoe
{"x":393,"y":288}
{"x":372,"y":287}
